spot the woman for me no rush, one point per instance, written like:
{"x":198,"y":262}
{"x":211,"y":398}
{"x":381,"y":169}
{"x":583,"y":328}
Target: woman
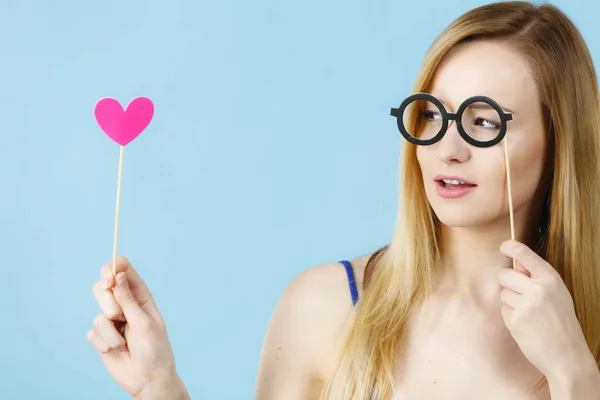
{"x":439,"y":312}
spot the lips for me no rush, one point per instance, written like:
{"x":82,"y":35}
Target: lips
{"x":453,"y":191}
{"x":455,"y":180}
{"x":453,"y":187}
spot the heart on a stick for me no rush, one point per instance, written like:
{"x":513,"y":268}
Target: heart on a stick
{"x":120,"y":125}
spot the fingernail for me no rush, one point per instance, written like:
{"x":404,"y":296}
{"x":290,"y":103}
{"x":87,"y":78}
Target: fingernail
{"x":105,"y":283}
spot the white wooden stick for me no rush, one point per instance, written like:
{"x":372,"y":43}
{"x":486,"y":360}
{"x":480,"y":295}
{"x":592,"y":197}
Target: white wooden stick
{"x":114,"y":266}
{"x":510,"y":202}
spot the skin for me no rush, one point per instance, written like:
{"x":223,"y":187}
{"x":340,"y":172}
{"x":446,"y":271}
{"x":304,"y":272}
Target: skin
{"x":482,"y":333}
{"x":474,"y":226}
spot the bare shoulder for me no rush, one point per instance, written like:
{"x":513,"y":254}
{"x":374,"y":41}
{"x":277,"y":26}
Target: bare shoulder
{"x":325,"y":287}
{"x":306,"y":331}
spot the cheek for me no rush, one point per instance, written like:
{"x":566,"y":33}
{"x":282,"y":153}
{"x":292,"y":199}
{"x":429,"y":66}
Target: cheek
{"x":492,"y":175}
{"x":425,"y":158}
{"x":527,"y":166}
{"x":419,"y":154}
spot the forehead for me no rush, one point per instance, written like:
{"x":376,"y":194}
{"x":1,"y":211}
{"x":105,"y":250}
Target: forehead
{"x":487,"y":68}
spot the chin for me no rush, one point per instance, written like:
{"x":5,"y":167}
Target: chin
{"x":467,"y":212}
{"x":465,"y":215}
{"x":458,"y":221}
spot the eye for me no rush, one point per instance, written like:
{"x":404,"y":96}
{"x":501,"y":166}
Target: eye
{"x":431,"y":115}
{"x":486,"y":123}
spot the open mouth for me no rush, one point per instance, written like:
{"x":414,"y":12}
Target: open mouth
{"x":454,"y":184}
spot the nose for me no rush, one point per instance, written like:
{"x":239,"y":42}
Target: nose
{"x":452,"y":148}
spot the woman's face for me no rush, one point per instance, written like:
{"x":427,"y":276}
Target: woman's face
{"x":496,"y":70}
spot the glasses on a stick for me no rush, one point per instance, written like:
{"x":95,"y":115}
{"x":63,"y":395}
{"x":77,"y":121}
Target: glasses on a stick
{"x":480,"y":120}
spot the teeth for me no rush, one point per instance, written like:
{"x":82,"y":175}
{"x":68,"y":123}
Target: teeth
{"x":452,"y":182}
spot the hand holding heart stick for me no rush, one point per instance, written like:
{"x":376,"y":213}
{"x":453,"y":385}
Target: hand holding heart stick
{"x":122,"y":126}
{"x":130,"y":333}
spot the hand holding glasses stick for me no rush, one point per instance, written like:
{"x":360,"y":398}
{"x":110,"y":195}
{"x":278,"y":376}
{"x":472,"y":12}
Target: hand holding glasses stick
{"x":481,"y":122}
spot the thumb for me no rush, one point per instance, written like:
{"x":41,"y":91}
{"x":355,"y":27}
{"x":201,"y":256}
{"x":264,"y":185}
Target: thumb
{"x":131,"y":309}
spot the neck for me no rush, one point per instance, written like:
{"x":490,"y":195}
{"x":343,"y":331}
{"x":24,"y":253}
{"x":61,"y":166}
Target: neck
{"x":471,"y":258}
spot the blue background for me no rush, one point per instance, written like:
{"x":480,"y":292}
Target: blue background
{"x":271,"y":150}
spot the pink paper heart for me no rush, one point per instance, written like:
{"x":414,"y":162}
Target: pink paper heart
{"x":120,"y":125}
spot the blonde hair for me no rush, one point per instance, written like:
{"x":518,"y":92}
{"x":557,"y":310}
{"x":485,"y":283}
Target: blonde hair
{"x":403,"y":277}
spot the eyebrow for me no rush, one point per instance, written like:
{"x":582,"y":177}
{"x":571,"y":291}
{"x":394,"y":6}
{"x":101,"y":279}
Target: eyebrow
{"x":484,"y":106}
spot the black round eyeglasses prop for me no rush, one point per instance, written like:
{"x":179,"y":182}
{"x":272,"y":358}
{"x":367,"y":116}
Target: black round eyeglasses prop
{"x":481,"y":121}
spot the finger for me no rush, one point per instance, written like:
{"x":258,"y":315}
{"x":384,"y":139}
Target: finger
{"x":107,"y":303}
{"x":506,"y":312}
{"x":122,"y":264}
{"x":106,"y":330}
{"x":521,"y":269}
{"x":131,"y":308}
{"x":510,"y":298}
{"x":97,"y":342}
{"x":137,"y":286}
{"x":514,"y":280}
{"x":528,"y":259}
